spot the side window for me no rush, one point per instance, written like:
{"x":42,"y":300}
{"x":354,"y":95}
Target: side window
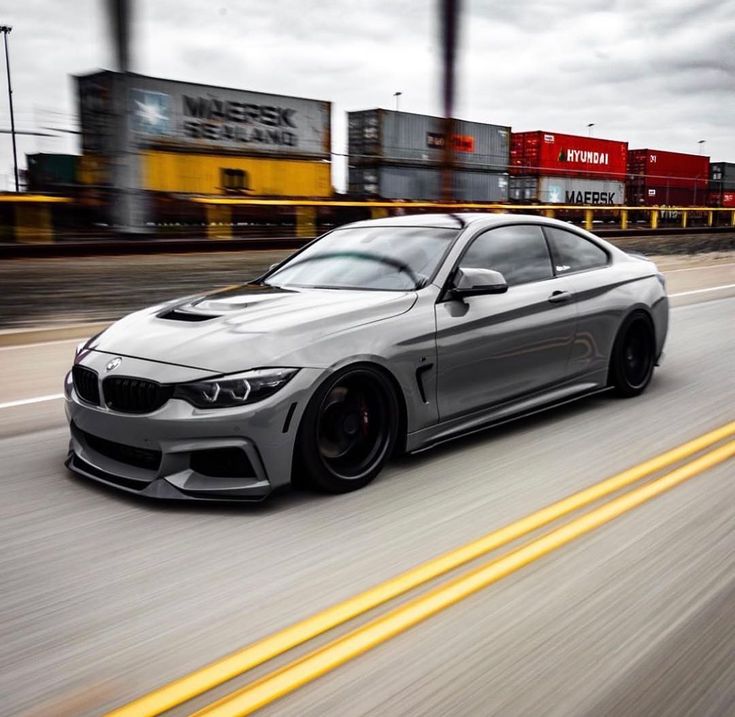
{"x":572,"y":252}
{"x":518,"y":252}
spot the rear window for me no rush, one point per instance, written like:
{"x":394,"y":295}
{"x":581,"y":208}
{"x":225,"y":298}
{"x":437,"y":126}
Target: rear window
{"x":571,"y":252}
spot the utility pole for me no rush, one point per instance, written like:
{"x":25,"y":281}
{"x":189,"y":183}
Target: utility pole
{"x":5,"y":29}
{"x":449,"y":29}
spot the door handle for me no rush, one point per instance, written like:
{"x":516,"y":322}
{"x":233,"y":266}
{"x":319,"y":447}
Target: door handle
{"x":559,"y":297}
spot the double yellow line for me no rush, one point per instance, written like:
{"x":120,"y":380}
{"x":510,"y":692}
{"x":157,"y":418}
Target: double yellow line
{"x":288,"y":678}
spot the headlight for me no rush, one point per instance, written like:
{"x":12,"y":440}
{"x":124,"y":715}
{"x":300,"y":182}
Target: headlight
{"x":235,"y":390}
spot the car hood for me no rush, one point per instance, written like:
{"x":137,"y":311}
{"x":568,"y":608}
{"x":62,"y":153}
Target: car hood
{"x":248,"y":326}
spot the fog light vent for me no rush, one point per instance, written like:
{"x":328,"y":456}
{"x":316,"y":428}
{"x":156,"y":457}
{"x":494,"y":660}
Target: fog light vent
{"x":222,"y":463}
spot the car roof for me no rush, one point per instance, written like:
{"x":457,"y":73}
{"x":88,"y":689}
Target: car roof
{"x":458,"y":220}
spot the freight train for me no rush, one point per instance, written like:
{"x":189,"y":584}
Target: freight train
{"x":148,"y":142}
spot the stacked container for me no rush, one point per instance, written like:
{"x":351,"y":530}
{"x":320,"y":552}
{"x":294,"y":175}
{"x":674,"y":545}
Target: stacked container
{"x":722,"y":184}
{"x":52,"y":172}
{"x":659,"y":178}
{"x":553,"y":168}
{"x":398,"y":155}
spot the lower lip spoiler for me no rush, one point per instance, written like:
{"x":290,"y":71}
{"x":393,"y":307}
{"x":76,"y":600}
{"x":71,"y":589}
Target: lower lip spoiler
{"x":159,"y":488}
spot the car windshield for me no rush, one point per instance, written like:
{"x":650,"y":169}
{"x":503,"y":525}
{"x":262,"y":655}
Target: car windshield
{"x":388,"y":258}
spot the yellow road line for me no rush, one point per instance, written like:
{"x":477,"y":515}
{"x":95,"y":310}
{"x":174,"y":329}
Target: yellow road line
{"x":216,"y":673}
{"x":325,"y":659}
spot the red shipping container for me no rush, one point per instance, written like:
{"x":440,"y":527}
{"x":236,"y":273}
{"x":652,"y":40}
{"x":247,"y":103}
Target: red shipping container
{"x":725,"y":198}
{"x":650,"y":195}
{"x":656,"y":168}
{"x":554,"y":154}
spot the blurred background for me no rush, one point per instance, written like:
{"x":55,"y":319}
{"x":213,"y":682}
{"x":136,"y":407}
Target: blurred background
{"x":603,"y":106}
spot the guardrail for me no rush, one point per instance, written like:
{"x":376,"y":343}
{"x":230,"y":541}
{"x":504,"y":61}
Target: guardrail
{"x":31,"y":217}
{"x":305,"y":210}
{"x":32,"y":220}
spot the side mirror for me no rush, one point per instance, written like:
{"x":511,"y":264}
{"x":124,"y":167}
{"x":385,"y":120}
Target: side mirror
{"x":474,"y":282}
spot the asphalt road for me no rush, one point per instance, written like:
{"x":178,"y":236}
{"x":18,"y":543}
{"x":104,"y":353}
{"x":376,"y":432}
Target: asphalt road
{"x":105,"y":597}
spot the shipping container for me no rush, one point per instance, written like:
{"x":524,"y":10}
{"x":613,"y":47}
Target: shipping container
{"x":665,"y":195}
{"x":186,"y":173}
{"x":186,"y":115}
{"x":724,"y":198}
{"x":51,"y":172}
{"x":553,"y":154}
{"x":424,"y":183}
{"x":654,"y":168}
{"x":567,"y":190}
{"x":722,"y":174}
{"x":404,"y":137}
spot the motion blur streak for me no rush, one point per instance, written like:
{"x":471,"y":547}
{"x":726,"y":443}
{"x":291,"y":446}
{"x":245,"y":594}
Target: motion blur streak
{"x":196,"y":683}
{"x":292,"y":676}
{"x":26,"y":401}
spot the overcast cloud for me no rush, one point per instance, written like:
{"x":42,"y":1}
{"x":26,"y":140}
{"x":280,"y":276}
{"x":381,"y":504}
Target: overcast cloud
{"x":659,"y":74}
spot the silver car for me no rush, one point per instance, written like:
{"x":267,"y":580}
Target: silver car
{"x":381,"y":336}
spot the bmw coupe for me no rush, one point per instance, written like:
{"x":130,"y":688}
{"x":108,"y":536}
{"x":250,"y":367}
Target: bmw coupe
{"x":381,"y":336}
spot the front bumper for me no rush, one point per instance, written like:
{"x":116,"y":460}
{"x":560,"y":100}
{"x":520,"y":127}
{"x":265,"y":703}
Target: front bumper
{"x":159,"y":454}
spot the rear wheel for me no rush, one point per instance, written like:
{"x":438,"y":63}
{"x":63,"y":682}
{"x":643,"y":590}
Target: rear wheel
{"x":633,"y":356}
{"x":348,"y":431}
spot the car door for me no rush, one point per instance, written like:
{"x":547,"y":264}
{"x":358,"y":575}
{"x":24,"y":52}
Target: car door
{"x":587,"y":268}
{"x":497,"y":347}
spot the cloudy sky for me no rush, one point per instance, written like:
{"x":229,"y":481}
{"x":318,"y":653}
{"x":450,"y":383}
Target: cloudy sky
{"x":659,"y":74}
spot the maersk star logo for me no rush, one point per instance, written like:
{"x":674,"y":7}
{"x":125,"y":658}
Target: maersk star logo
{"x":150,"y":111}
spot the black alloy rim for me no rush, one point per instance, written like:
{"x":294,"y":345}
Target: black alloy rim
{"x":353,"y":429}
{"x":637,"y":355}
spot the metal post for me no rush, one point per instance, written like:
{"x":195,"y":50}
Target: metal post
{"x":588,"y":219}
{"x":5,"y":29}
{"x":623,"y":218}
{"x":449,"y":18}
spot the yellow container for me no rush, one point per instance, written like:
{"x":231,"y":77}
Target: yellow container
{"x":92,"y":170}
{"x":217,"y":174}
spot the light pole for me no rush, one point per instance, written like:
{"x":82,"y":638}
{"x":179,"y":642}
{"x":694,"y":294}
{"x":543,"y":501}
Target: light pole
{"x":701,"y":145}
{"x":5,"y":29}
{"x":589,"y":128}
{"x":397,"y":95}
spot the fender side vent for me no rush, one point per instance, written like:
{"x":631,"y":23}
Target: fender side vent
{"x":420,"y":371}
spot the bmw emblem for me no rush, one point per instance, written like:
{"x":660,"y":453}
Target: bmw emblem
{"x":112,"y":365}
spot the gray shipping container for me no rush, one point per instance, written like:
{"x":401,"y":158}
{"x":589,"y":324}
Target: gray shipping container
{"x":722,"y":175}
{"x":188,"y":116}
{"x":403,"y":137}
{"x":566,"y":190}
{"x":424,"y":183}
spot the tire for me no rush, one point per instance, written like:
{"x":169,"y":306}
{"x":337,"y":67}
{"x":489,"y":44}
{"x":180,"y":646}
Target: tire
{"x":348,"y":431}
{"x":633,"y":356}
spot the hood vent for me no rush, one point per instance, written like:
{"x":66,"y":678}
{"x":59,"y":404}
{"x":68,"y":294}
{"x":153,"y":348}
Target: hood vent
{"x":180,"y":315}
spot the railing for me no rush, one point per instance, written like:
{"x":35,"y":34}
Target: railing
{"x":217,"y":210}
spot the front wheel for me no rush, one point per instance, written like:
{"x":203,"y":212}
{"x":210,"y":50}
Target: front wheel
{"x":633,"y":356}
{"x":348,"y":431}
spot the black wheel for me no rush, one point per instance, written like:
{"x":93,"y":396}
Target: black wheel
{"x":633,"y":356}
{"x":348,"y":431}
